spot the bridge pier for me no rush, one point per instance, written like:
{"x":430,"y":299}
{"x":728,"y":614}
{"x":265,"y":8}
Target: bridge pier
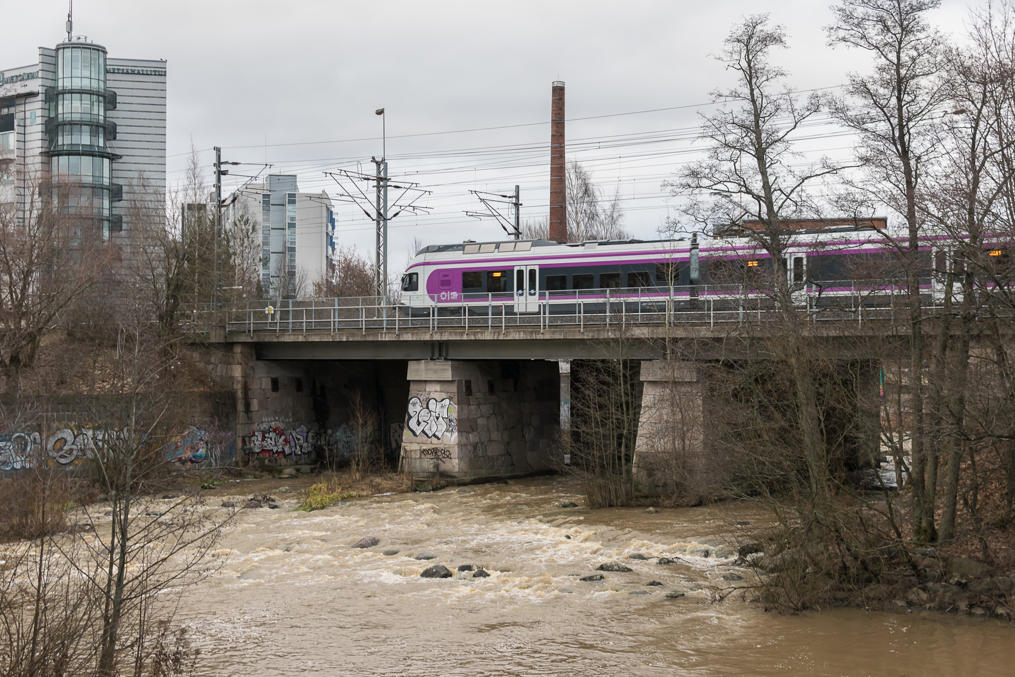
{"x":476,"y":419}
{"x":670,"y":456}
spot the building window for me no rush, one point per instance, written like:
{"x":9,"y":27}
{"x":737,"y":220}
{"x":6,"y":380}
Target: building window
{"x":274,"y":384}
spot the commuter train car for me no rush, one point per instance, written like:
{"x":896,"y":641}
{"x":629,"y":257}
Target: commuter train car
{"x":528,"y":276}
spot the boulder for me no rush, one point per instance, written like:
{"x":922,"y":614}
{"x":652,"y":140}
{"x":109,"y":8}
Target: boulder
{"x":654,"y":584}
{"x":675,"y":594}
{"x":966,"y":568}
{"x":652,"y":511}
{"x":425,"y":556}
{"x":567,"y":504}
{"x":666,"y":560}
{"x":366,"y":542}
{"x":592,"y":578}
{"x":616,"y":567}
{"x":228,"y":504}
{"x":637,"y":555}
{"x":436,"y":571}
{"x":749,"y":549}
{"x":466,"y":567}
{"x":481,"y":573}
{"x":389,"y":552}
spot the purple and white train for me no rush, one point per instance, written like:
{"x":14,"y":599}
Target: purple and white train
{"x":530,"y":276}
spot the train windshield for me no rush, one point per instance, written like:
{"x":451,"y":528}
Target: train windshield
{"x":410,"y":282}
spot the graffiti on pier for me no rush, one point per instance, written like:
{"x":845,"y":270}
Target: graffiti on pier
{"x":22,"y":450}
{"x":439,"y":453}
{"x":435,"y":420}
{"x":273,"y":440}
{"x":189,"y":447}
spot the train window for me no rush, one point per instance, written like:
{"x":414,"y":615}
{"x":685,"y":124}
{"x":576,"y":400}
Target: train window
{"x":639,"y":278}
{"x":668,"y":273}
{"x":581,"y":282}
{"x":556,"y":282}
{"x":798,"y":269}
{"x":472,"y":281}
{"x":498,"y":281}
{"x":609,"y":280}
{"x":410,"y":282}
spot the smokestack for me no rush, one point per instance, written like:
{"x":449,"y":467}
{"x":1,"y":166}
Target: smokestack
{"x":558,"y":189}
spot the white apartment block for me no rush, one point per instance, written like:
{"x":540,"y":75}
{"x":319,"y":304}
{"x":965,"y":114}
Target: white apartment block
{"x":296,"y":247}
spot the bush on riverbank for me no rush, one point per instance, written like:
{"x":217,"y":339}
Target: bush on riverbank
{"x":325,"y":494}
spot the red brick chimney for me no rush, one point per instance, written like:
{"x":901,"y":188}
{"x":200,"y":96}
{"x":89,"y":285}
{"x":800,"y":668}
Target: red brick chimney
{"x":558,"y":189}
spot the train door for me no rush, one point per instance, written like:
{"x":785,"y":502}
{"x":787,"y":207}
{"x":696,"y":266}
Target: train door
{"x":796,"y":272}
{"x":526,"y":289}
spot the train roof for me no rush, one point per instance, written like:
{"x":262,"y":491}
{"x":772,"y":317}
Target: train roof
{"x":469,"y":247}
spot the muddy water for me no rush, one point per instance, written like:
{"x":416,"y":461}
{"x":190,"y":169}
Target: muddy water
{"x":291,"y":597}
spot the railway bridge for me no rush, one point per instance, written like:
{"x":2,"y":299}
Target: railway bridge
{"x":484,"y":392}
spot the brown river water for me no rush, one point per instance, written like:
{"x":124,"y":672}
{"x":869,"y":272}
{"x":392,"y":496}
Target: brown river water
{"x":291,"y":597}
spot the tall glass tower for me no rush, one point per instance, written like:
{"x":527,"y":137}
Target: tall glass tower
{"x":77,"y":131}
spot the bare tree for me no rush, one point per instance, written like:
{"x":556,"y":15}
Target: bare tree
{"x":894,"y":110}
{"x":747,"y":173}
{"x":590,"y":215}
{"x":48,"y":260}
{"x":349,"y":275}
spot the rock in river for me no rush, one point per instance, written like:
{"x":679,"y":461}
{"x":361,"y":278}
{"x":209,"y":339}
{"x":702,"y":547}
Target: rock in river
{"x":366,"y":542}
{"x":425,"y":556}
{"x":436,"y":571}
{"x":592,"y":578}
{"x":613,"y":566}
{"x":481,"y":573}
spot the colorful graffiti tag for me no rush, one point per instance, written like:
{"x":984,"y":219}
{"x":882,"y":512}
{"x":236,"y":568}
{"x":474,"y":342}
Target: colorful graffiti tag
{"x":191,"y":447}
{"x":433,"y":421}
{"x":272,"y":439}
{"x":275,"y":441}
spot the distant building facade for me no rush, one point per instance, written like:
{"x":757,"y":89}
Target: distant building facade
{"x":86,"y":131}
{"x":296,"y":245}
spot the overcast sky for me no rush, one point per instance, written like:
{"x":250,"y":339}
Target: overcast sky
{"x":296,"y":84}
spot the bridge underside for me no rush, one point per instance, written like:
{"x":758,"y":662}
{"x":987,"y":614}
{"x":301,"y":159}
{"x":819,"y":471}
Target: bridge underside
{"x":496,"y":408}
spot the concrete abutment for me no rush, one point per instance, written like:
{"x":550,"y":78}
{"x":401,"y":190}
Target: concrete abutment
{"x":469,"y":420}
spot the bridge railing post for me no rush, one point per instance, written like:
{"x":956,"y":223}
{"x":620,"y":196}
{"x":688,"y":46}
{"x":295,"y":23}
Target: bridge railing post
{"x":581,"y":314}
{"x":503,"y":317}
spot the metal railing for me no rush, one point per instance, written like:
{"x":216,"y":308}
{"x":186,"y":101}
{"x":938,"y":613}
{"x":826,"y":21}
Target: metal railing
{"x":709,"y":305}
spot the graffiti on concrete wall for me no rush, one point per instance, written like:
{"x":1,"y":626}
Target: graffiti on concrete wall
{"x":16,"y":450}
{"x":22,"y":450}
{"x":190,"y":447}
{"x":434,"y":420}
{"x":439,"y":453}
{"x":297,"y":443}
{"x":276,"y":441}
